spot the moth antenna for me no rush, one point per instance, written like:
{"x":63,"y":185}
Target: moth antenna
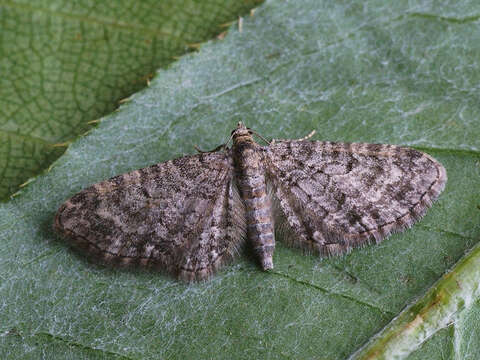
{"x":313,"y":132}
{"x":308,"y":136}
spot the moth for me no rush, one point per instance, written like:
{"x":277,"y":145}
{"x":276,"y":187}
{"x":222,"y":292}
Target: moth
{"x":191,"y":215}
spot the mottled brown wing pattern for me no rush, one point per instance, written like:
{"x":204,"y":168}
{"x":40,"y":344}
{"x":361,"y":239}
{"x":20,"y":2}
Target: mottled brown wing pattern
{"x":190,"y":215}
{"x":329,"y":197}
{"x":183,"y":216}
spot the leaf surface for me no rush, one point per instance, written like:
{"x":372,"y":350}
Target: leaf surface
{"x":368,"y":72}
{"x":64,"y":64}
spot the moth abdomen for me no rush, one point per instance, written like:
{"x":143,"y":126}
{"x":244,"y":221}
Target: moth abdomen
{"x":250,"y":174}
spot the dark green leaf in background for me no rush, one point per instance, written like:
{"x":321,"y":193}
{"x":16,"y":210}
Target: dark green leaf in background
{"x":65,"y":63}
{"x":372,"y":71}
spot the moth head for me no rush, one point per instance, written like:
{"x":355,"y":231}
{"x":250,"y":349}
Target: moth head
{"x":241,"y":130}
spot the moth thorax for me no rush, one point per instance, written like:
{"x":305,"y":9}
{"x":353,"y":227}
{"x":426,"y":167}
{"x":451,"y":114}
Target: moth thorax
{"x":243,"y":138}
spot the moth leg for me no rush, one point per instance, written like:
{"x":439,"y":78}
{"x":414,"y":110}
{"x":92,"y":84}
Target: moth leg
{"x":218,"y":148}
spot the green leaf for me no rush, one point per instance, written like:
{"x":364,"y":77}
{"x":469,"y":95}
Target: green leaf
{"x":372,"y":72}
{"x":65,"y":63}
{"x":449,"y":302}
